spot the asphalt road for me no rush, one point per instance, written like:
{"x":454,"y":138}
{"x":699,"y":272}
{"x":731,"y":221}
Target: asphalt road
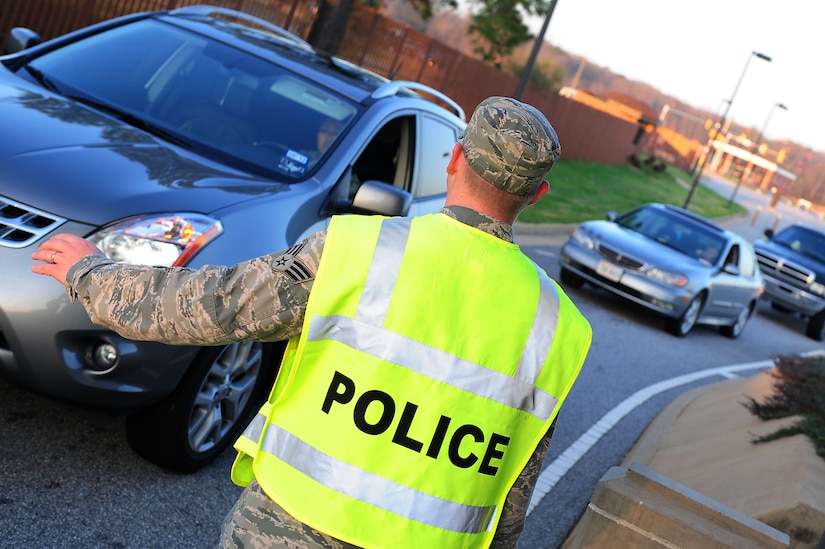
{"x":69,"y":480}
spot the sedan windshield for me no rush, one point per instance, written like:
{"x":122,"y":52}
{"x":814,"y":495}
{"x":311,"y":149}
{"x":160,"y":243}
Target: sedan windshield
{"x":187,"y":89}
{"x":688,"y":238}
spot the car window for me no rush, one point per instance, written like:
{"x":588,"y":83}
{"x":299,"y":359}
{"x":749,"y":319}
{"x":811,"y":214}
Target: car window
{"x":747,"y":261}
{"x":386,"y":157}
{"x":220,"y":101}
{"x":436,"y":145}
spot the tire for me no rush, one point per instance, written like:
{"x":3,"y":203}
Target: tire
{"x":735,"y":330}
{"x":685,"y":323}
{"x":569,"y":278}
{"x":816,"y":326}
{"x":214,"y":402}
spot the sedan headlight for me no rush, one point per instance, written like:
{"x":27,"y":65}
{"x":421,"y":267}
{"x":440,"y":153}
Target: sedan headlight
{"x":582,"y":238}
{"x":670,"y":278}
{"x":157,"y":240}
{"x":818,"y":289}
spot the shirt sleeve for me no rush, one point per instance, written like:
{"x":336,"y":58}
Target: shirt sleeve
{"x":262,"y":299}
{"x":514,"y":512}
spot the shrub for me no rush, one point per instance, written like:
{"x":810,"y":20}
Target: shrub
{"x":799,"y":384}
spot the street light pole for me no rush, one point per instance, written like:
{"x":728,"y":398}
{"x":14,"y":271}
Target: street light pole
{"x":528,"y":68}
{"x":721,"y":124}
{"x":761,"y":135}
{"x":757,"y":141}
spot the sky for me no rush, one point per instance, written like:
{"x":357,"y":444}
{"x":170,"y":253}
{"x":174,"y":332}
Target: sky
{"x":698,"y":52}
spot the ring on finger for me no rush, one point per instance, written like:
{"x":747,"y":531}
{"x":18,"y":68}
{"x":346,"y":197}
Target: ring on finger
{"x":51,"y":259}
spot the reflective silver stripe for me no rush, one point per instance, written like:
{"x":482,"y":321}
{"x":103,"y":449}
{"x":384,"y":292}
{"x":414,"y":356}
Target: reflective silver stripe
{"x":383,"y":273}
{"x":255,"y":428}
{"x":375,"y":490}
{"x":542,"y":332}
{"x":434,"y":363}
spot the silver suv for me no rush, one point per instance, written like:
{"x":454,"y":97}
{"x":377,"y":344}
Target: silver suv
{"x":190,"y":137}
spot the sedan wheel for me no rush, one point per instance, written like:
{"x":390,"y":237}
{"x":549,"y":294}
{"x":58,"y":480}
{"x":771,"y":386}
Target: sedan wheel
{"x":215,"y":401}
{"x":569,"y":278}
{"x":685,"y":323}
{"x":735,"y":330}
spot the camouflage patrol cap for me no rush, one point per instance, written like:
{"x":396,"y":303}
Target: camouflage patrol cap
{"x":510,"y":144}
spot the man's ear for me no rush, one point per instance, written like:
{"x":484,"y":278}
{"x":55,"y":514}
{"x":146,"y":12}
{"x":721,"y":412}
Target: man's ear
{"x":544,"y":186}
{"x":458,"y":152}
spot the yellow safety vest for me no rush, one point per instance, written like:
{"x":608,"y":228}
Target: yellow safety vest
{"x":432,"y":360}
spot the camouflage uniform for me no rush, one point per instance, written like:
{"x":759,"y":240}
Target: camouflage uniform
{"x":262,"y":299}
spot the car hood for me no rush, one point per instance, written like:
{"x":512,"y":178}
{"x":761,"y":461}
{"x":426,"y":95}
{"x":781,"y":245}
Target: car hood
{"x":65,"y":158}
{"x":633,"y":244}
{"x":789,"y":254}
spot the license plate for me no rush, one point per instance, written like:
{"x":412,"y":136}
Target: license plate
{"x":609,"y":271}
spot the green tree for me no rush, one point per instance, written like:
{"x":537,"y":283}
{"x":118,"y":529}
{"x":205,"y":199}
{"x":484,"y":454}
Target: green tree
{"x":499,"y":24}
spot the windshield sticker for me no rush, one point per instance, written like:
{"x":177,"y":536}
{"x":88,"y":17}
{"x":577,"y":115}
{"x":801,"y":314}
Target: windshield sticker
{"x":294,"y":162}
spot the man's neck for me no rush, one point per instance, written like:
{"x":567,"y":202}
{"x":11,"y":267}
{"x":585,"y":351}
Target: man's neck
{"x":480,"y":221}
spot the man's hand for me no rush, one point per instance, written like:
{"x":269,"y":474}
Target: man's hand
{"x":59,"y":253}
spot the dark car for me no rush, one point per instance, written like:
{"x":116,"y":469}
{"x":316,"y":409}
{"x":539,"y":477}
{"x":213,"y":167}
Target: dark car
{"x":671,"y":261}
{"x":191,"y":137}
{"x":793,"y":264}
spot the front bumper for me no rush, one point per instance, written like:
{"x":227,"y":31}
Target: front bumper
{"x":630,"y":285}
{"x":792,"y":297}
{"x":47,"y":343}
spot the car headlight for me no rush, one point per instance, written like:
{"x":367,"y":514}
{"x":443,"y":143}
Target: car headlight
{"x":818,"y":289}
{"x":158,"y":240}
{"x":582,"y":238}
{"x":670,"y":278}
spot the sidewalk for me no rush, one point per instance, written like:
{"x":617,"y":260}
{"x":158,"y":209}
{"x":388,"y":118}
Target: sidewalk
{"x":703,"y":441}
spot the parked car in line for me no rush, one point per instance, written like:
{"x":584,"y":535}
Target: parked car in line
{"x":671,"y":261}
{"x":188,"y":137}
{"x":792,"y":262}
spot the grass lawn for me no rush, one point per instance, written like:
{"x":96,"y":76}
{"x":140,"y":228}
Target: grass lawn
{"x":584,"y":190}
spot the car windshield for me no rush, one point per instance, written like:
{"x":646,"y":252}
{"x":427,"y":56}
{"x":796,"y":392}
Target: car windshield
{"x":684,"y":236}
{"x":800,"y":239}
{"x":217,"y":100}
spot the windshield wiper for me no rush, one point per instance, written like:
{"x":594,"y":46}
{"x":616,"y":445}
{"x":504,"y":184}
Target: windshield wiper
{"x":133,"y":120}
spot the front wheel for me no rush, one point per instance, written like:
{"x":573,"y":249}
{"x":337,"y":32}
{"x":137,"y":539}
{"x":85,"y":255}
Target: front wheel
{"x":816,"y":326}
{"x":685,"y":323}
{"x":218,"y":396}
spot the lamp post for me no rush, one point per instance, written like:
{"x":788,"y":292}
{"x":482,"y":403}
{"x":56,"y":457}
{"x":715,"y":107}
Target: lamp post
{"x":757,"y":141}
{"x":761,"y":135}
{"x":528,"y":68}
{"x":721,"y":124}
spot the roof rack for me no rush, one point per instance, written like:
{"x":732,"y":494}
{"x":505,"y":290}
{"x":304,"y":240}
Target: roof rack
{"x":393,"y":87}
{"x":202,"y":10}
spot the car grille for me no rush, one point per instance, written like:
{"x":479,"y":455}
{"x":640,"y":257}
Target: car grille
{"x":778,"y":267}
{"x":20,"y":225}
{"x":622,"y":260}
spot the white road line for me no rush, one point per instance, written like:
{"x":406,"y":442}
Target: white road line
{"x":553,"y":473}
{"x":544,"y":252}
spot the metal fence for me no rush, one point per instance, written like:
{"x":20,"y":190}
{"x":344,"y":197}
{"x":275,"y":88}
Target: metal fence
{"x":386,"y":46}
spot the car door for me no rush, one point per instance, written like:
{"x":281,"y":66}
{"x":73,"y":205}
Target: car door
{"x":729,"y":291}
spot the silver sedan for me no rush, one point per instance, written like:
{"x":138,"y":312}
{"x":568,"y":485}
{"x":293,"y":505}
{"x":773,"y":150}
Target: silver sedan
{"x":669,"y":260}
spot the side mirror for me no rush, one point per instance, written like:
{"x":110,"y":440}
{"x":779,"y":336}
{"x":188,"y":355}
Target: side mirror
{"x":19,"y":39}
{"x":611,"y":215}
{"x":769,"y":233}
{"x":374,"y":197}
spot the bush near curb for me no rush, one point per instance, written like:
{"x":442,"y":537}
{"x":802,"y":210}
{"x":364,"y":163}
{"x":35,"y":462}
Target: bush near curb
{"x":799,"y":384}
